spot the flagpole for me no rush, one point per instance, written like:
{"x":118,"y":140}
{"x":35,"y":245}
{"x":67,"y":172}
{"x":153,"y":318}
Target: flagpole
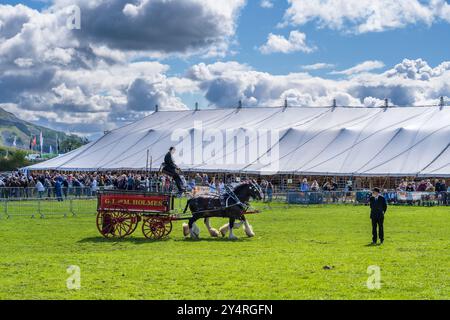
{"x":151,"y":164}
{"x":41,"y":142}
{"x":146,"y":163}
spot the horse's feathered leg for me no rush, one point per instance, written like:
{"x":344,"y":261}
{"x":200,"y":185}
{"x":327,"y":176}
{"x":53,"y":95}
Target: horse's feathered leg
{"x":232,"y":236}
{"x":247,"y":227}
{"x":226,"y":227}
{"x":213,"y":232}
{"x":191,"y":228}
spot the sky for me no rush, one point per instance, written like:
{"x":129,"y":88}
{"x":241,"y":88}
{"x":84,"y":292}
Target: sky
{"x":87,"y":66}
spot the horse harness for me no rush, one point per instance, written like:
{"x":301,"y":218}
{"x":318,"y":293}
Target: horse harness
{"x":224,"y":200}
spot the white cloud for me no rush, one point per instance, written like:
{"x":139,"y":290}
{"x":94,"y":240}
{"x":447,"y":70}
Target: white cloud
{"x":266,"y":4}
{"x":296,"y":42}
{"x":318,"y":66}
{"x":81,"y":80}
{"x":230,"y":82}
{"x":361,"y":16}
{"x":361,"y":67}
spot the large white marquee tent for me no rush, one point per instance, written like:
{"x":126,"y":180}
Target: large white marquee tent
{"x":345,"y":141}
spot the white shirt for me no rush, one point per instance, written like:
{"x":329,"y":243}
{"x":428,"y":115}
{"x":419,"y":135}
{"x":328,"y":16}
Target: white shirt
{"x":40,"y":186}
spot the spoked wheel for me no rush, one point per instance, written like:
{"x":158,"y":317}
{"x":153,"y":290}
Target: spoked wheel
{"x":156,"y":228}
{"x":135,"y":219}
{"x":117,"y":223}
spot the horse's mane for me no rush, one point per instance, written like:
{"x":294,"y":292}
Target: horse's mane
{"x":240,"y":186}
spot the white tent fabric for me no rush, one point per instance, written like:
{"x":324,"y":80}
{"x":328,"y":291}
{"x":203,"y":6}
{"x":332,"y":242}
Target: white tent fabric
{"x":396,"y":141}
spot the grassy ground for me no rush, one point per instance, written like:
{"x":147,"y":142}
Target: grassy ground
{"x":284,"y":261}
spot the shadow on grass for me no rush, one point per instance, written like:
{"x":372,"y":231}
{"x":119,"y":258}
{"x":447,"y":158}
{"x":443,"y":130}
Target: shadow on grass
{"x":124,"y":240}
{"x":146,"y":241}
{"x":373,"y":245}
{"x":211,"y":240}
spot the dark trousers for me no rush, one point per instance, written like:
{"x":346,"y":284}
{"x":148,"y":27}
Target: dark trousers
{"x":174,"y":174}
{"x":377,"y":222}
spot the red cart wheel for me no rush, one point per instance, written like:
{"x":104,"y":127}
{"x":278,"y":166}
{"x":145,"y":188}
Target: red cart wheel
{"x":156,"y":228}
{"x":116,"y":224}
{"x":168,"y":227}
{"x":135,"y":220}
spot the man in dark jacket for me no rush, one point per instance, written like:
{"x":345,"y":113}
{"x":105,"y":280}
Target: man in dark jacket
{"x":378,"y":208}
{"x":171,"y":169}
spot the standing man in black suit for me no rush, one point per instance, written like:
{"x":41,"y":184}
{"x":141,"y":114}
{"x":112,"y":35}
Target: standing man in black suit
{"x":378,"y":208}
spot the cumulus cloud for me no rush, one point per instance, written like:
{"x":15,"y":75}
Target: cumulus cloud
{"x":277,"y":43}
{"x":361,"y":16}
{"x":318,"y":66}
{"x":225,"y":84}
{"x":158,"y":26}
{"x":69,"y":78}
{"x":361,"y":67}
{"x":144,"y":96}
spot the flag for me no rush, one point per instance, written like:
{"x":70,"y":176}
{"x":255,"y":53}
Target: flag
{"x":51,"y":150}
{"x":57,"y":144}
{"x":15,"y":141}
{"x":33,"y":142}
{"x":41,"y":141}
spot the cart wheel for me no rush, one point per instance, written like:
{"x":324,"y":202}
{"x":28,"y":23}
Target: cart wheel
{"x":135,"y":219}
{"x":116,"y":224}
{"x":168,"y":227}
{"x":156,"y":228}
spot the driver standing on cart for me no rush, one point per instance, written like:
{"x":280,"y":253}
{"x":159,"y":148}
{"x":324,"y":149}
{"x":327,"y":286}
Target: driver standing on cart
{"x":171,"y":169}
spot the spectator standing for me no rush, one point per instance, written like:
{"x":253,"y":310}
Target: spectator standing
{"x":304,"y":186}
{"x":40,"y":188}
{"x":94,"y":186}
{"x":65,"y":187}
{"x":58,"y":189}
{"x":315,"y":186}
{"x":269,"y":191}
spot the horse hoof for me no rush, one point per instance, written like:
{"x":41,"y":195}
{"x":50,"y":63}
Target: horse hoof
{"x":232,"y":237}
{"x":194,"y":236}
{"x":195,"y":232}
{"x":223,"y":230}
{"x":185,"y":229}
{"x":249,"y":232}
{"x":214,"y":233}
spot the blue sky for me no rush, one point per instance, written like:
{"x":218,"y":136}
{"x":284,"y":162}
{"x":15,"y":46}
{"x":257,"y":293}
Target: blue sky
{"x":374,"y":50}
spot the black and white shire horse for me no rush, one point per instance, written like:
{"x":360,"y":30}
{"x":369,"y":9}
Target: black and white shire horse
{"x":232,"y":205}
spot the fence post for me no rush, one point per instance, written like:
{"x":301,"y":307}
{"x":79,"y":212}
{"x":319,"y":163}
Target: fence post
{"x":40,"y":210}
{"x":71,"y":208}
{"x":6,"y":209}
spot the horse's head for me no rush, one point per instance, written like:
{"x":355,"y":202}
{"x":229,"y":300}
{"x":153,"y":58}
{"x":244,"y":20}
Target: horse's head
{"x":255,"y":190}
{"x":248,"y":190}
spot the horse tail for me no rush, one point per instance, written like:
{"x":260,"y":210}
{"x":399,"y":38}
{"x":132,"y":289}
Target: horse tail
{"x":187,"y":206}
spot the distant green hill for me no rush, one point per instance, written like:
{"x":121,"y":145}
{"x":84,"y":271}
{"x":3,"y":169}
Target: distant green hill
{"x":11,"y":127}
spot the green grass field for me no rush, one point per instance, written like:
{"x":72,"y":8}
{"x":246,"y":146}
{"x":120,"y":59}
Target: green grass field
{"x":284,"y":261}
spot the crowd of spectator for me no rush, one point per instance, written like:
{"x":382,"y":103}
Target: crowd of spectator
{"x":329,"y":185}
{"x":60,"y":186}
{"x":423,"y":186}
{"x":79,"y":185}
